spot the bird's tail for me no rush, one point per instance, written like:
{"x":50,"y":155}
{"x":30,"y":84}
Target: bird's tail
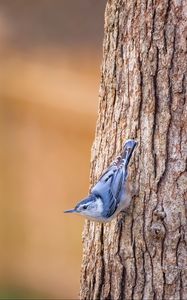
{"x":128,"y":150}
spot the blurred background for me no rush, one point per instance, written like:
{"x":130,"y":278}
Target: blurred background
{"x":50,"y":56}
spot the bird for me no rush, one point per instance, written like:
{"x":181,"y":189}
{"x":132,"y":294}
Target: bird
{"x":111,"y":193}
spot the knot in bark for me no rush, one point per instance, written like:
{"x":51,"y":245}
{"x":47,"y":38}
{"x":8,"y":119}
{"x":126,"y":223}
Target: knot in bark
{"x":157,"y":230}
{"x":160,"y":214}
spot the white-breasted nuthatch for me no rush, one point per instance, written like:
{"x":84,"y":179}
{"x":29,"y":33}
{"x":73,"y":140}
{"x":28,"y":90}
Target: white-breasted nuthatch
{"x":110,"y":195}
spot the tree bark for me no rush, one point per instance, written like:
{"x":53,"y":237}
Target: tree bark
{"x":142,"y":254}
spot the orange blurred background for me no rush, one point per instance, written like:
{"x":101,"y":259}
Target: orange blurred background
{"x":50,"y":55}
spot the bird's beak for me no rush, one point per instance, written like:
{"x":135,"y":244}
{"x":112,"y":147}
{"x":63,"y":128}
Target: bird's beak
{"x":70,"y":211}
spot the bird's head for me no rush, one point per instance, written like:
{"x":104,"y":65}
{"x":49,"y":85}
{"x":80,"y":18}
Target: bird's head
{"x":90,"y":207}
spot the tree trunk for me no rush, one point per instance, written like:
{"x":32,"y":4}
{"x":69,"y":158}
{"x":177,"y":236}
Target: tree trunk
{"x":142,"y":254}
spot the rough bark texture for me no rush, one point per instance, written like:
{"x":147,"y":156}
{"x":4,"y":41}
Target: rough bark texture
{"x":142,"y":255}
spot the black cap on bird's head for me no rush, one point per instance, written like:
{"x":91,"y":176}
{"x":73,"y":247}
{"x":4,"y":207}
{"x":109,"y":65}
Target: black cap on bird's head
{"x":83,"y":205}
{"x":90,"y":207}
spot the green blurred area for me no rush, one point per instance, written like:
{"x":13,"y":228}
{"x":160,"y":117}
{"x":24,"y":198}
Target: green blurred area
{"x":21,"y":294}
{"x":50,"y":54}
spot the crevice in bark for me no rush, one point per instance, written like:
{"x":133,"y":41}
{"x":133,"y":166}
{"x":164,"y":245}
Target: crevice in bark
{"x":122,"y":285}
{"x":135,"y":269}
{"x":162,"y":264}
{"x":165,"y":24}
{"x":156,"y":99}
{"x":118,"y":254}
{"x":144,"y":275}
{"x":99,"y":282}
{"x":132,"y":225}
{"x":146,"y":244}
{"x":152,"y":29}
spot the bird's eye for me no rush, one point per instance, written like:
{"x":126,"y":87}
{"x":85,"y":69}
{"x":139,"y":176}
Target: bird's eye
{"x":84,"y":207}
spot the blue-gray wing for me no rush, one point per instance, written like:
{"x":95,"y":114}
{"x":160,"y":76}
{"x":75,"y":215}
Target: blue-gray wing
{"x":109,"y":187}
{"x":105,"y":181}
{"x":118,"y":182}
